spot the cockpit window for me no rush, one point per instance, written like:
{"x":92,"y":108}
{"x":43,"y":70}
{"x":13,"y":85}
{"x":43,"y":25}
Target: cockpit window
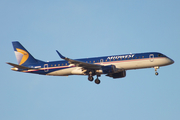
{"x":161,"y":55}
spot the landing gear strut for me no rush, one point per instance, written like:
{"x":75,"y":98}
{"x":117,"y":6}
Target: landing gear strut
{"x":156,"y":68}
{"x":90,"y":76}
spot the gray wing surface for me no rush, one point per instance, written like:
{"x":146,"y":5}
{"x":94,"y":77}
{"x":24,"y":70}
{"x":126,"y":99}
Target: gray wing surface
{"x":79,"y":63}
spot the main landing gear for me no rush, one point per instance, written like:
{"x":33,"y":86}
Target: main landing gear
{"x":90,"y":78}
{"x":156,"y":68}
{"x":97,"y":81}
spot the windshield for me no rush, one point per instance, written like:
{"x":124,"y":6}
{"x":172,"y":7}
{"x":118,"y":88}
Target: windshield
{"x":161,"y":55}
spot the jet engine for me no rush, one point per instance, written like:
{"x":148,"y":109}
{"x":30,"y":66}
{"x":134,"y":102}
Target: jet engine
{"x":109,"y":69}
{"x":117,"y":75}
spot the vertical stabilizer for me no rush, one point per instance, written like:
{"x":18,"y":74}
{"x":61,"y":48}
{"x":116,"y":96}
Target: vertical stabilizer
{"x":22,"y":55}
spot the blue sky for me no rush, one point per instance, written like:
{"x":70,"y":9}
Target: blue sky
{"x":80,"y":29}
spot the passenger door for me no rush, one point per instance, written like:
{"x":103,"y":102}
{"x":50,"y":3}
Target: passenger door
{"x":46,"y":68}
{"x":151,"y":57}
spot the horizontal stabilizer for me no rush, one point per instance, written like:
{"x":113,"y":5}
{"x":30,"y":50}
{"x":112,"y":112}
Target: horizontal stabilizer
{"x":19,"y":66}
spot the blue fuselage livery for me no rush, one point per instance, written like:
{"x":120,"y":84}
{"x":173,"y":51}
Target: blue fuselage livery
{"x":114,"y":66}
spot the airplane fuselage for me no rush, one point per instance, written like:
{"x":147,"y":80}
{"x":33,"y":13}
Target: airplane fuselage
{"x":124,"y":62}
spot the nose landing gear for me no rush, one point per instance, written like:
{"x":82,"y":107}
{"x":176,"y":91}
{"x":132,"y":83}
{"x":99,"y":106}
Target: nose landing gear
{"x":156,"y":73}
{"x":156,"y":68}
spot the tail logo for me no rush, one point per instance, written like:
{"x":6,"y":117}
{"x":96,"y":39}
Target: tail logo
{"x":21,"y":56}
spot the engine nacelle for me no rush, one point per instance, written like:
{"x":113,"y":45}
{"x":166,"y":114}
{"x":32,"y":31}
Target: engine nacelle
{"x":109,"y":69}
{"x":118,"y":75}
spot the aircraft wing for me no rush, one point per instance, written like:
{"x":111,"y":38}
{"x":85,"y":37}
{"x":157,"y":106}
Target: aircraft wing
{"x":79,"y":63}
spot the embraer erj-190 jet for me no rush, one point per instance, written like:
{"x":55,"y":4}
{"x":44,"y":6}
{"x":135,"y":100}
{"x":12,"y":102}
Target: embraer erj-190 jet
{"x":114,"y":66}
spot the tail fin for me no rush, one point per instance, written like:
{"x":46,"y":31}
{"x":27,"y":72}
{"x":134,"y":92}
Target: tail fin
{"x":22,"y":55}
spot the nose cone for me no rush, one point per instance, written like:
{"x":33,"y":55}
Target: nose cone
{"x":171,"y":61}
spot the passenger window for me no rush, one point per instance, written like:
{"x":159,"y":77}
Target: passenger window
{"x":55,"y":65}
{"x":142,"y":56}
{"x":58,"y":64}
{"x":62,"y":64}
{"x":66,"y":63}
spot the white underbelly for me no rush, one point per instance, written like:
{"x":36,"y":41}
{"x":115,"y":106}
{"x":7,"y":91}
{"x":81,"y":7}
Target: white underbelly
{"x":62,"y":72}
{"x":142,"y":63}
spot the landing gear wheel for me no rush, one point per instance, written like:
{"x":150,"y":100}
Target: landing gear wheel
{"x":97,"y":81}
{"x":156,"y":73}
{"x":90,"y":78}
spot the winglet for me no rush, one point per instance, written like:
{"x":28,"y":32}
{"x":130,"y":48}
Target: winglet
{"x":61,"y":56}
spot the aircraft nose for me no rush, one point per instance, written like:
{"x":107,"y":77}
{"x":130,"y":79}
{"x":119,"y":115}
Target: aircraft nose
{"x":171,"y":61}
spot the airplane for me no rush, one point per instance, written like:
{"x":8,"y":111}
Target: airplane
{"x":114,"y":66}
